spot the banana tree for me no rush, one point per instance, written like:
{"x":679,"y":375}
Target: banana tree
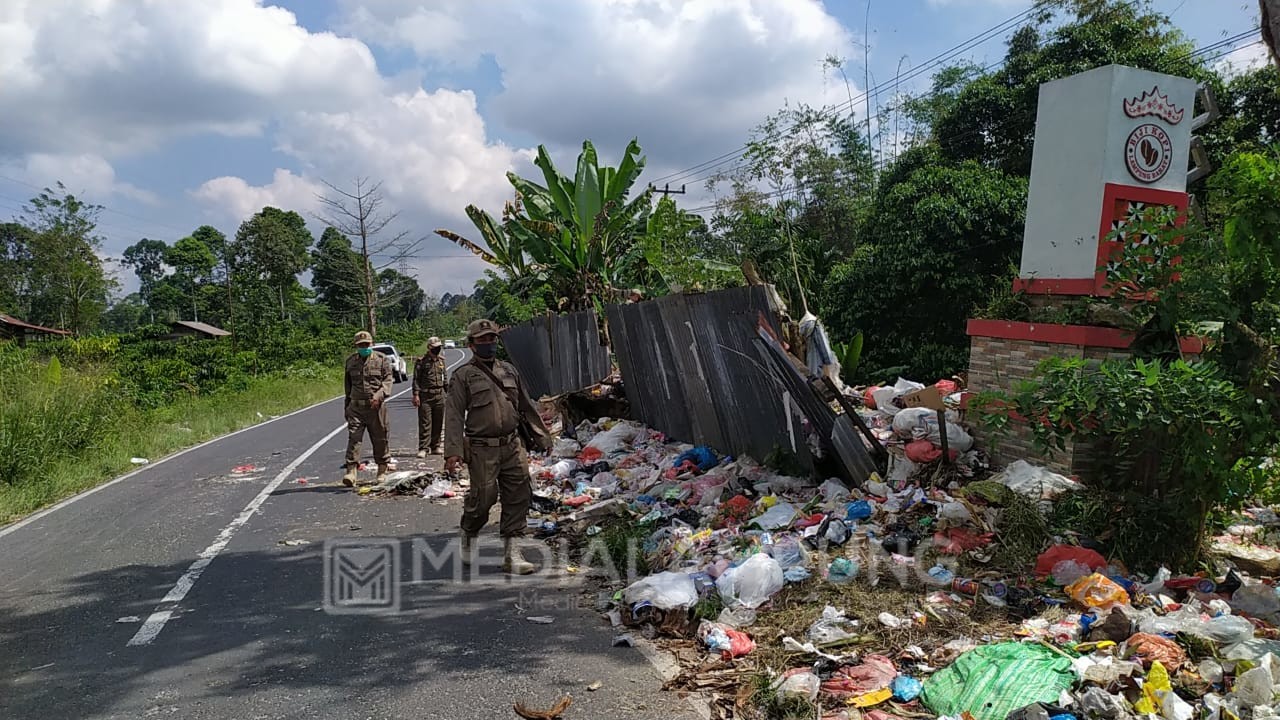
{"x":583,"y":228}
{"x":576,"y":234}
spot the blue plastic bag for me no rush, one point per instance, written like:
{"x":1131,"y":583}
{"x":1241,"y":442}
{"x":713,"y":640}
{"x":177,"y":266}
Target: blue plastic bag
{"x":906,"y":689}
{"x":702,"y":456}
{"x":857,"y":510}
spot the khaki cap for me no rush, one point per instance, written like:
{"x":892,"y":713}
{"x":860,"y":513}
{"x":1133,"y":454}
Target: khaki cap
{"x":363,"y":337}
{"x":483,"y":326}
{"x":434,"y":342}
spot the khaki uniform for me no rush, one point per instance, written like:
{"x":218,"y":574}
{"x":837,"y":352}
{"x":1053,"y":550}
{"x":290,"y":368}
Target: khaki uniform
{"x":429,"y":385}
{"x":481,"y":426}
{"x":366,"y":380}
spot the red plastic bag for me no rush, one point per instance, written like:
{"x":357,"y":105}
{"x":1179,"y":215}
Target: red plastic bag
{"x":925,"y":452}
{"x":1150,"y":648}
{"x":875,"y":673}
{"x":1060,"y":553}
{"x":946,"y":387}
{"x":868,"y":400}
{"x":590,"y":455}
{"x":956,"y":541}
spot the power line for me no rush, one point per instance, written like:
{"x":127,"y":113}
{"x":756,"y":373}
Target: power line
{"x":883,"y":163}
{"x":942,"y":57}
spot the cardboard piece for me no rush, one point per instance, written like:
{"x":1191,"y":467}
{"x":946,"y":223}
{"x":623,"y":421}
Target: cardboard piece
{"x":929,"y":397}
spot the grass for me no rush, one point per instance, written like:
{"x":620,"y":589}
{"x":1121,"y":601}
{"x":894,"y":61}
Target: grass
{"x":130,"y":433}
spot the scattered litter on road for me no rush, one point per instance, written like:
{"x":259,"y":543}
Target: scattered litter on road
{"x":129,"y":619}
{"x":293,"y":543}
{"x":595,"y":686}
{"x":541,"y":619}
{"x":139,"y":461}
{"x":624,"y":640}
{"x":242,"y":469}
{"x":304,"y":481}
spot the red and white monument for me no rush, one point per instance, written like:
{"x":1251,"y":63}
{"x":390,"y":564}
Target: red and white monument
{"x":1110,"y":143}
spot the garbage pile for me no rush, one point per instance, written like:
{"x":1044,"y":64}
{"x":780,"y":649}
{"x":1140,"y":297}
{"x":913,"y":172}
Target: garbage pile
{"x":421,"y":483}
{"x":727,"y":541}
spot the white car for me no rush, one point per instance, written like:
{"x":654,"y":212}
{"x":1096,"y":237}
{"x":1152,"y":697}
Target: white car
{"x":400,"y":371}
{"x":451,"y":345}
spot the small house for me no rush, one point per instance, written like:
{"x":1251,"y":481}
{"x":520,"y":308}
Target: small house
{"x":11,"y":328}
{"x":189,"y":328}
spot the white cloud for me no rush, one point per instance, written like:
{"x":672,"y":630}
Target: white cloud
{"x":689,"y":77}
{"x":86,"y":174}
{"x":237,"y":200}
{"x":118,"y":76}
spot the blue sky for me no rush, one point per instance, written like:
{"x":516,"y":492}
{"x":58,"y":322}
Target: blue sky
{"x":179,"y":114}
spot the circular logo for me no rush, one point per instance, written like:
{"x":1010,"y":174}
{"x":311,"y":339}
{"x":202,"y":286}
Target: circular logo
{"x":1148,"y":153}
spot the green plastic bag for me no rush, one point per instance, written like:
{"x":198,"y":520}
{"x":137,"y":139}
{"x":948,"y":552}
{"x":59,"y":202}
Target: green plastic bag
{"x":994,"y":680}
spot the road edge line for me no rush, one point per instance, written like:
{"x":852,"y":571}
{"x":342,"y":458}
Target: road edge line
{"x":19,"y":524}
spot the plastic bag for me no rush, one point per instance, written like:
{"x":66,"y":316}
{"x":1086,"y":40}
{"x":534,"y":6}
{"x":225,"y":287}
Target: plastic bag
{"x":1256,"y":600}
{"x":906,"y":689}
{"x":833,"y":490}
{"x":800,"y":682}
{"x":842,"y":570}
{"x":666,"y":590}
{"x":616,"y":439}
{"x":752,"y":583}
{"x":1097,"y":591}
{"x":777,"y":517}
{"x":566,"y":448}
{"x":788,"y":552}
{"x":831,"y":627}
{"x":730,"y":643}
{"x":857,"y":510}
{"x":1048,"y":559}
{"x":1153,"y":649}
{"x":1035,"y":482}
{"x":1254,"y":687}
{"x":1069,"y":571}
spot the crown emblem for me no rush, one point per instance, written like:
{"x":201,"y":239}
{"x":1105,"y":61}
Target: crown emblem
{"x":1154,"y":103}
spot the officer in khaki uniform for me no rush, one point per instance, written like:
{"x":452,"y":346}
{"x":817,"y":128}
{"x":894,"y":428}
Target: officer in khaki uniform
{"x":486,"y":414}
{"x":428,"y":397}
{"x":368,"y":380}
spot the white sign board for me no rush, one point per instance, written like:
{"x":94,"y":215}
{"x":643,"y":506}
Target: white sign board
{"x":1114,"y":125}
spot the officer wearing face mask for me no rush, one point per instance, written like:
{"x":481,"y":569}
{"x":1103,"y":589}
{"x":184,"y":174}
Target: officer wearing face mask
{"x":367,"y":379}
{"x":428,"y":397}
{"x":490,"y":422}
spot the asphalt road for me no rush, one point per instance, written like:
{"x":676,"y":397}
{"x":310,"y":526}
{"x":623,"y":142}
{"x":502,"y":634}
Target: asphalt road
{"x":187,"y":590}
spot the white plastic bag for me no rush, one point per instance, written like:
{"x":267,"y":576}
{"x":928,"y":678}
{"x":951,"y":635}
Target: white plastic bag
{"x":833,"y":490}
{"x":802,"y":684}
{"x":1254,"y":687}
{"x":666,"y":590}
{"x":1035,"y":482}
{"x":777,"y":517}
{"x":752,"y":583}
{"x":566,"y":448}
{"x":615,"y":440}
{"x":831,"y":627}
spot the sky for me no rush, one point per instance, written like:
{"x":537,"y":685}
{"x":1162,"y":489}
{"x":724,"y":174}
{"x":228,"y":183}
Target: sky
{"x":174,"y":115}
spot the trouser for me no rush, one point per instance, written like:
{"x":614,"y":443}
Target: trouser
{"x":430,"y":422}
{"x":498,"y":471}
{"x":361,"y":417}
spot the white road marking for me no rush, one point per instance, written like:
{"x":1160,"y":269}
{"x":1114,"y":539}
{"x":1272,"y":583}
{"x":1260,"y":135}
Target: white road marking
{"x":74,"y":498}
{"x":164,"y":611}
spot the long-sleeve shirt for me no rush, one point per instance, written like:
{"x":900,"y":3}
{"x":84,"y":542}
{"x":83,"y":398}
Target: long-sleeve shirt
{"x":475,"y":407}
{"x":368,"y":379}
{"x":428,"y":377}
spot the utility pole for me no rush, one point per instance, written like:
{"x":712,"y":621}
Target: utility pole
{"x":666,"y":189}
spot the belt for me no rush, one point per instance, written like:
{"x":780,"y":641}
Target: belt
{"x":492,"y":441}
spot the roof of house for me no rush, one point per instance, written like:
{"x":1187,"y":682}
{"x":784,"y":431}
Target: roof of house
{"x":201,"y":328}
{"x":15,"y":322}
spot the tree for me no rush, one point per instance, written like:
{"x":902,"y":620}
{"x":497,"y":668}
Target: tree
{"x":580,"y":233}
{"x":400,"y":298}
{"x":358,"y":215}
{"x":911,"y":290}
{"x":992,"y":120}
{"x":126,"y":314}
{"x":224,"y":274}
{"x":271,"y":249}
{"x":146,"y":257}
{"x":338,"y":278}
{"x":69,"y":285}
{"x":678,"y":252}
{"x":193,"y":263}
{"x":15,"y":268}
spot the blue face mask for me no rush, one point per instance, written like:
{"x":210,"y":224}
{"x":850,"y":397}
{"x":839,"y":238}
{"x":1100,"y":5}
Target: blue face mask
{"x":365,"y":352}
{"x":485,"y":351}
